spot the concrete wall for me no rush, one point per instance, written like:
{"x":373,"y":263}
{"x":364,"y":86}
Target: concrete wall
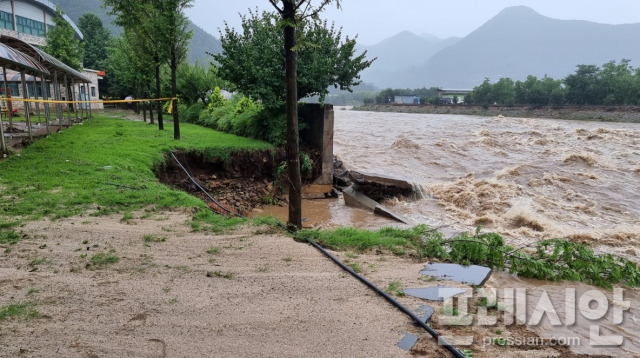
{"x":317,"y":138}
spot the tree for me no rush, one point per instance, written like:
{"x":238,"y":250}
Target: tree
{"x":96,"y":40}
{"x":292,"y":13}
{"x":582,"y":85}
{"x":195,"y":82}
{"x":62,"y":44}
{"x":96,"y":43}
{"x":174,"y":33}
{"x":128,"y":73}
{"x":252,"y":60}
{"x":140,"y":19}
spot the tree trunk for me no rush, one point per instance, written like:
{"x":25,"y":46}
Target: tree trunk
{"x":159,"y":95}
{"x":174,"y":92}
{"x":293,"y":151}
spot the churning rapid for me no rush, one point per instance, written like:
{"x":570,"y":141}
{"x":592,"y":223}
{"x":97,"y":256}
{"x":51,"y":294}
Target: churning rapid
{"x":525,"y":178}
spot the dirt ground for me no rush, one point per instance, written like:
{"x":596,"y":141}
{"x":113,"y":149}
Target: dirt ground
{"x":180,"y":293}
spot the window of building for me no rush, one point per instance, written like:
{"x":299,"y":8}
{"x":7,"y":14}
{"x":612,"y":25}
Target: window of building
{"x":13,"y":89}
{"x":93,"y":91}
{"x":31,"y":27}
{"x":6,"y":20}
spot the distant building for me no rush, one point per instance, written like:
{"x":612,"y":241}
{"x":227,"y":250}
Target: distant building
{"x":406,"y":99}
{"x":447,"y":96}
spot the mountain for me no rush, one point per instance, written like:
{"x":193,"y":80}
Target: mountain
{"x":519,"y":42}
{"x":402,"y":51}
{"x":200,"y":43}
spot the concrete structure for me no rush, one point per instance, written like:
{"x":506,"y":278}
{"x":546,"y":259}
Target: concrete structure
{"x":449,"y":95}
{"x":406,"y":99}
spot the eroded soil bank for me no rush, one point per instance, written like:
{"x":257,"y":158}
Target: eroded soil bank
{"x":240,"y":183}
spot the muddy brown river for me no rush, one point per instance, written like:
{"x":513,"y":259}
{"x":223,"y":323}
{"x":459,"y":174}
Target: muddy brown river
{"x":526,"y":178}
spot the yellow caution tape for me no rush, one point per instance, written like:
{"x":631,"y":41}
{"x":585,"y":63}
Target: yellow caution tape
{"x":17,"y":99}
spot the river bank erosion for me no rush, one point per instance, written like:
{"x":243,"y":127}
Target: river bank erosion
{"x":158,"y":283}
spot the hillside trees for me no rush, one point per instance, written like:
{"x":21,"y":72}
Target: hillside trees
{"x":96,"y":40}
{"x":612,"y":84}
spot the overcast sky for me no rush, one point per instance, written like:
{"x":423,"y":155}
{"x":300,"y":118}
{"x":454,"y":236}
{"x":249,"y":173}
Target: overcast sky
{"x":376,"y":20}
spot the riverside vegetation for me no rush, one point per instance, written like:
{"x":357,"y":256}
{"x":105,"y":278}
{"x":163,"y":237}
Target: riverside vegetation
{"x":107,"y":166}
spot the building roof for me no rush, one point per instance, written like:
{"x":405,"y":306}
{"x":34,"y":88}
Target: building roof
{"x":51,"y":6}
{"x":18,"y":61}
{"x":50,"y":63}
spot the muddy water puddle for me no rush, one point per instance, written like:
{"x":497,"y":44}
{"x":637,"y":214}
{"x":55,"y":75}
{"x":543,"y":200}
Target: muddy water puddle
{"x":327,"y":213}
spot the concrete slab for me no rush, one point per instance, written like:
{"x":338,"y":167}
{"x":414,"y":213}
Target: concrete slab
{"x":473,"y":274}
{"x":437,"y":293}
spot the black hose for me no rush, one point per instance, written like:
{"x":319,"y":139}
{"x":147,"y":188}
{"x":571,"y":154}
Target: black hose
{"x":440,"y":340}
{"x":202,"y":189}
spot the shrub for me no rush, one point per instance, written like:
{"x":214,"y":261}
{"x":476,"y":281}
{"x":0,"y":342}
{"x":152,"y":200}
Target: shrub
{"x":192,"y":113}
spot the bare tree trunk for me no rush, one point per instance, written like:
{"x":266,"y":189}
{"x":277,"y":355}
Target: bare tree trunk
{"x":159,"y":95}
{"x":293,"y":150}
{"x":174,"y":92}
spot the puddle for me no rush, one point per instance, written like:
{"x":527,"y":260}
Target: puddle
{"x":408,"y":342}
{"x":437,"y":293}
{"x":327,"y":213}
{"x":472,"y":275}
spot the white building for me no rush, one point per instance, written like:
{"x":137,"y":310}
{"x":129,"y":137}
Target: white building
{"x":29,"y":21}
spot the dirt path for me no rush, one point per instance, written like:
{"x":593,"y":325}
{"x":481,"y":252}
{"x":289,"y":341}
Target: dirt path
{"x":245,"y":294}
{"x":179,"y":293}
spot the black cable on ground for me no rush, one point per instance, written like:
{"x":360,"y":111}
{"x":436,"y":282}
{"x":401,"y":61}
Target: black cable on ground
{"x":440,"y":340}
{"x":193,"y":180}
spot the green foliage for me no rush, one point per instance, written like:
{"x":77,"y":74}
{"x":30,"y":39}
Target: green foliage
{"x":104,"y":258}
{"x":9,"y":237}
{"x":395,"y":288}
{"x":96,"y":40}
{"x":192,"y":113}
{"x":154,"y":238}
{"x":194,"y":82}
{"x":612,"y":84}
{"x":253,"y":60}
{"x":556,"y":259}
{"x":24,"y":309}
{"x":216,"y":99}
{"x":62,"y":44}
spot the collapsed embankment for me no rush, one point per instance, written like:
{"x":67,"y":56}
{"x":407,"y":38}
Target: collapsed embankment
{"x":240,"y":182}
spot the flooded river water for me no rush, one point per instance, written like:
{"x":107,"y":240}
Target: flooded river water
{"x":526,"y":178}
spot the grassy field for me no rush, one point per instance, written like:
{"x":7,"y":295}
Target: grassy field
{"x":104,"y":165}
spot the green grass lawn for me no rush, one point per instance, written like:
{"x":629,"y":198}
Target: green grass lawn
{"x":105,"y":165}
